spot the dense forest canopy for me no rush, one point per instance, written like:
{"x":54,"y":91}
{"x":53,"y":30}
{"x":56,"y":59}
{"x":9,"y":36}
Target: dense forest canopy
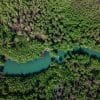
{"x":41,"y":25}
{"x":30,"y":27}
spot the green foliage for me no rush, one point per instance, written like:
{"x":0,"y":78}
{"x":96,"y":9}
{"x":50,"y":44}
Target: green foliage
{"x":76,"y":78}
{"x":66,"y":23}
{"x":61,"y":20}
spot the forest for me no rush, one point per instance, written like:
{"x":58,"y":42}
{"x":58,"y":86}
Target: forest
{"x":41,"y":25}
{"x":78,"y":78}
{"x":30,"y":27}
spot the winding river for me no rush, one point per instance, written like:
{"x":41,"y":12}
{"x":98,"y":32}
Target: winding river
{"x":37,"y":65}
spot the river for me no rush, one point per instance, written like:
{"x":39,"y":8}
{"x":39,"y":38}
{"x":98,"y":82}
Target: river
{"x":36,"y":65}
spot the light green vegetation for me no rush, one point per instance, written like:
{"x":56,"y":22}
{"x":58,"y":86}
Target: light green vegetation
{"x":59,"y":24}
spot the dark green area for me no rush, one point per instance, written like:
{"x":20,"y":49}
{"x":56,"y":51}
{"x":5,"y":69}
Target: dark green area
{"x":77,"y":78}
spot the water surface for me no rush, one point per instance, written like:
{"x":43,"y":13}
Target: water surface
{"x":36,"y":65}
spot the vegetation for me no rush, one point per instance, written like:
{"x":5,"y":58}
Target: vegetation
{"x":60,"y":24}
{"x":29,"y":27}
{"x":76,"y":79}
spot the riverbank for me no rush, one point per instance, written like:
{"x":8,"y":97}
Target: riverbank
{"x":37,"y":65}
{"x":77,"y":77}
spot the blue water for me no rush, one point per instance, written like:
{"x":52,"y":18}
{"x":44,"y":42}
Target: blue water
{"x":36,"y":65}
{"x":11,"y":67}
